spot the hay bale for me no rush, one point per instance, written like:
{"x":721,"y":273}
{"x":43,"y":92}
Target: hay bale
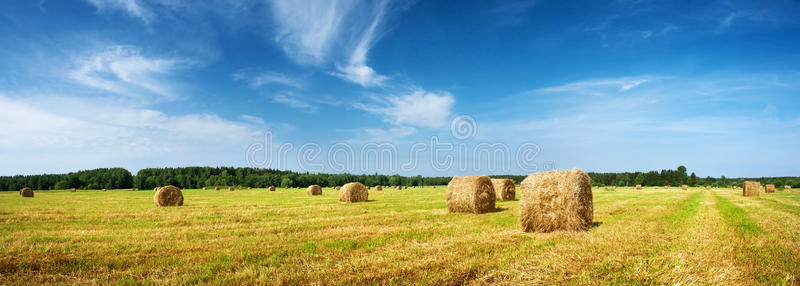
{"x":231,"y":189}
{"x":168,"y":196}
{"x":155,"y":189}
{"x":26,"y":192}
{"x":556,"y":200}
{"x":684,"y":187}
{"x":72,"y":190}
{"x":770,"y":188}
{"x":216,"y":188}
{"x":354,"y":192}
{"x":473,"y":194}
{"x":314,"y":190}
{"x":379,"y":188}
{"x":638,"y":187}
{"x":271,"y":188}
{"x":103,"y":190}
{"x":708,"y":187}
{"x":751,"y":189}
{"x":787,"y":187}
{"x":204,"y":188}
{"x":249,"y":188}
{"x":504,"y":189}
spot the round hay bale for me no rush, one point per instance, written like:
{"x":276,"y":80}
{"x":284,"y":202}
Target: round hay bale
{"x":249,"y":188}
{"x":231,"y":189}
{"x":684,"y":187}
{"x":708,"y":187}
{"x":314,"y":190}
{"x":770,"y":188}
{"x":168,"y":196}
{"x":72,"y":190}
{"x":504,"y":189}
{"x":638,"y":187}
{"x":103,"y":190}
{"x":378,"y":188}
{"x":271,"y":188}
{"x":751,"y":189}
{"x":556,"y":200}
{"x":204,"y":188}
{"x":216,"y":188}
{"x":354,"y":192}
{"x":473,"y":194}
{"x":155,"y":189}
{"x":26,"y":192}
{"x":787,"y":187}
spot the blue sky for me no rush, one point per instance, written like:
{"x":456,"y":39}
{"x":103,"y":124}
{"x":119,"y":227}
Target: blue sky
{"x":602,"y":86}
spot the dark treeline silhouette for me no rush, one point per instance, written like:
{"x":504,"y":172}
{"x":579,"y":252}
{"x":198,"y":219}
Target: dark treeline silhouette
{"x":198,"y":177}
{"x":114,"y":178}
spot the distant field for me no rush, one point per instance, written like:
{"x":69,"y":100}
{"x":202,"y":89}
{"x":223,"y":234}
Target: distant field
{"x":286,"y":237}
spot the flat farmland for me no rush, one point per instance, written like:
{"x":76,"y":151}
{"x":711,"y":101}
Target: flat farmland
{"x":672,"y":236}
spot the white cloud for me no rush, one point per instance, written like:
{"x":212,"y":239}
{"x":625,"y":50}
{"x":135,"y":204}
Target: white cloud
{"x":307,"y":30}
{"x":597,"y":87}
{"x":83,"y":126}
{"x":316,"y":32}
{"x":647,"y":34}
{"x":122,"y":70}
{"x":418,"y":108}
{"x":266,"y":78}
{"x":252,"y":119}
{"x":294,"y":101}
{"x":132,"y":7}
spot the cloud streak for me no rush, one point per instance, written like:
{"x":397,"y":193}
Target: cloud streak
{"x":418,"y":108}
{"x":123,"y":70}
{"x":342,"y":32}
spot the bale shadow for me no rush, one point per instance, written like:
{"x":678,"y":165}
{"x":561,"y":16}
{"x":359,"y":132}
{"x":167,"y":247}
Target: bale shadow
{"x":497,"y":210}
{"x":597,"y":224}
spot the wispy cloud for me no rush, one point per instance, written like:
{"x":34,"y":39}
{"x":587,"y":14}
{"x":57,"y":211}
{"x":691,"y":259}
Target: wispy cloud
{"x":252,"y":119}
{"x":50,"y":122}
{"x":293,"y":100}
{"x":133,"y":7}
{"x":123,"y":70}
{"x":511,"y":13}
{"x":597,"y":87}
{"x":417,"y":108}
{"x":266,"y":78}
{"x":342,"y":32}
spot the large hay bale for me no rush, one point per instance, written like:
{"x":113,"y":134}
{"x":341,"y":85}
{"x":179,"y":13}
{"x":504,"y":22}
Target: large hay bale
{"x":556,"y":200}
{"x":379,"y":188}
{"x":314,"y":190}
{"x":271,"y":188}
{"x":708,"y":187}
{"x":26,"y":192}
{"x":103,"y":190}
{"x":231,"y":189}
{"x":787,"y":187}
{"x":638,"y":187}
{"x":473,"y":194}
{"x":155,"y":189}
{"x":73,"y":190}
{"x":684,"y":187}
{"x":770,"y":188}
{"x":168,"y":196}
{"x":354,"y":192}
{"x":216,"y":188}
{"x":504,"y":189}
{"x":751,"y":189}
{"x":204,"y":188}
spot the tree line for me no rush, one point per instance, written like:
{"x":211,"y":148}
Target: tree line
{"x":198,"y":177}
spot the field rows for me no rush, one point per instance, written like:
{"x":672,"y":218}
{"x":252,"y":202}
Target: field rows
{"x":286,"y":237}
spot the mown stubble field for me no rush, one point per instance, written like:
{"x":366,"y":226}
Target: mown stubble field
{"x":398,"y":237}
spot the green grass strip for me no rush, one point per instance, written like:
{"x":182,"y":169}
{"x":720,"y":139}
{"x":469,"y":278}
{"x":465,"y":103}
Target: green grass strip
{"x":737,"y":218}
